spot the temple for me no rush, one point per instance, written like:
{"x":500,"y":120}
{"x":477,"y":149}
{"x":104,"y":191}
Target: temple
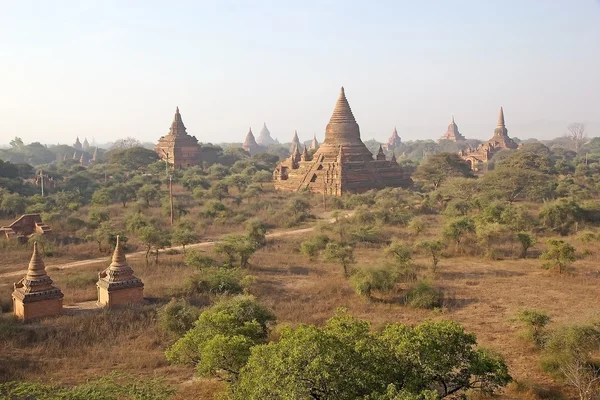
{"x":342,"y":163}
{"x":177,"y":147}
{"x":34,"y":296}
{"x":86,"y":145}
{"x":264,"y":137}
{"x":250,"y":144}
{"x":393,"y":142}
{"x":77,"y":145}
{"x":295,"y":142}
{"x":314,"y":145}
{"x":452,"y":133}
{"x":116,"y":285}
{"x":485,"y":151}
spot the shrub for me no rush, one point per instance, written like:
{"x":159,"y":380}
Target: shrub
{"x":535,"y":323}
{"x":400,"y":252}
{"x":561,"y":215}
{"x":526,"y":239}
{"x":560,"y":254}
{"x":218,"y":280}
{"x":417,"y":226}
{"x":367,"y":280}
{"x":177,"y":316}
{"x":423,"y":295}
{"x":311,"y":247}
{"x":367,"y":234}
{"x":587,"y":237}
{"x":197,"y":260}
{"x":432,"y":248}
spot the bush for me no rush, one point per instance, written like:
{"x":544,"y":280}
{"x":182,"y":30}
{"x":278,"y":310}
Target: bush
{"x":560,"y":254}
{"x":218,"y":280}
{"x":367,"y":280}
{"x":177,"y":316}
{"x":561,"y":215}
{"x":197,"y":260}
{"x":535,"y":323}
{"x":423,"y":295}
{"x":311,"y":247}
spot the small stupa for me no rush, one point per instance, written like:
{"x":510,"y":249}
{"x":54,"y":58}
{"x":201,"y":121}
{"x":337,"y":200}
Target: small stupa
{"x":117,"y":286}
{"x":264,"y":137}
{"x":34,"y":296}
{"x":250,"y":144}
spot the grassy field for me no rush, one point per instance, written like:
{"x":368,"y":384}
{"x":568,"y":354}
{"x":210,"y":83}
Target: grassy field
{"x":482,"y":294}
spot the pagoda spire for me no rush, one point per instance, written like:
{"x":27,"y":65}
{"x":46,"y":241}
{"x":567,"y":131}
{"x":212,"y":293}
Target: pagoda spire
{"x":342,"y":111}
{"x":37,"y":268}
{"x":380,"y":153}
{"x":177,"y":127}
{"x":501,"y":118}
{"x":304,"y":156}
{"x":118,"y":258}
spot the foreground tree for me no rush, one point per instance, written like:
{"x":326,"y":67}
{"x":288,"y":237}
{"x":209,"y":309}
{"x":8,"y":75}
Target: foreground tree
{"x":345,"y":360}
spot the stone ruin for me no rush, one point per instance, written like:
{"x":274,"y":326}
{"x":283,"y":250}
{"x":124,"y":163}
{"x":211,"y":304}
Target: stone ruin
{"x":25,"y":226}
{"x":342,"y":163}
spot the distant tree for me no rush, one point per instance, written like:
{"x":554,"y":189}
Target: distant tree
{"x":153,"y":238}
{"x":123,"y":193}
{"x":560,"y":254}
{"x":400,"y":252}
{"x":256,"y":230}
{"x":457,"y":228}
{"x":512,"y":183}
{"x":105,"y":233}
{"x":102,"y":196}
{"x":576,"y":134}
{"x":219,"y":190}
{"x":439,"y":167}
{"x":342,"y":254}
{"x":13,"y":204}
{"x":237,"y":248}
{"x":432,"y":248}
{"x":132,"y":158}
{"x":526,"y":240}
{"x":561,"y":215}
{"x":126,"y":143}
{"x":535,"y":325}
{"x":148,"y":193}
{"x":183,"y":236}
{"x":417,"y":226}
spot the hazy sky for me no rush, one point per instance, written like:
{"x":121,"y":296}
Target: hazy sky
{"x":110,"y":69}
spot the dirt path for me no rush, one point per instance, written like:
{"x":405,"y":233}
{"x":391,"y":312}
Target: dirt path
{"x":83,"y":263}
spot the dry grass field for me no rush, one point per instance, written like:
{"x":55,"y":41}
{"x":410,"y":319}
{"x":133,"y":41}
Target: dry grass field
{"x":482,"y":294}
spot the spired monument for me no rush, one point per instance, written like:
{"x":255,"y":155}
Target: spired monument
{"x":485,"y":151}
{"x":250,"y":144}
{"x":34,"y":296}
{"x":177,"y":147}
{"x":342,"y":163}
{"x":264,"y":137}
{"x":394,"y":141}
{"x":116,"y":284}
{"x":452,"y":133}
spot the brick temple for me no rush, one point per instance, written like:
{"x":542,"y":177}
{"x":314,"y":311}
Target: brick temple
{"x":264,"y":137}
{"x":34,"y":296}
{"x":482,"y":154}
{"x":393,"y":142}
{"x":452,"y":134}
{"x":250,"y":144}
{"x":342,"y":164}
{"x":177,"y":147}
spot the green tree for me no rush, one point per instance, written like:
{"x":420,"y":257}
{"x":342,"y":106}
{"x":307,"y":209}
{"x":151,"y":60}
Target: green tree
{"x":256,"y":231}
{"x":219,"y":343}
{"x":511,"y":183}
{"x":13,"y":204}
{"x":400,"y":252}
{"x":102,"y":197}
{"x":183,"y":236}
{"x":340,"y":253}
{"x":236,"y":248}
{"x":535,"y":323}
{"x":148,"y":193}
{"x":219,"y":190}
{"x":378,"y":278}
{"x":560,"y":254}
{"x":526,"y":240}
{"x":155,"y":238}
{"x":432,"y":248}
{"x":439,"y":167}
{"x":561,"y":215}
{"x":457,"y":228}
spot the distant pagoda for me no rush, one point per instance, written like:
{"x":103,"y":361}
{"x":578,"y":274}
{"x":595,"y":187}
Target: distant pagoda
{"x":393,"y":142}
{"x":314,"y":145}
{"x":117,"y":285}
{"x":452,"y":134}
{"x":86,"y":145}
{"x":295,"y":142}
{"x":77,"y":145}
{"x":34,"y":296}
{"x":177,"y":147}
{"x":264,"y":137}
{"x":341,"y":164}
{"x":485,"y":151}
{"x":250,"y":144}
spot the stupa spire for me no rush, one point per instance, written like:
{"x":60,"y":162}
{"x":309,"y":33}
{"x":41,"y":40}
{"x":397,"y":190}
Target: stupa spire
{"x":36,"y":268}
{"x":342,"y":111}
{"x":304,"y":156}
{"x":118,"y":258}
{"x":501,"y":118}
{"x":380,"y":153}
{"x":177,"y":127}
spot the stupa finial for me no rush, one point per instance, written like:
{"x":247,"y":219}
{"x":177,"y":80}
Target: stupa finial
{"x":37,"y":268}
{"x":501,"y":117}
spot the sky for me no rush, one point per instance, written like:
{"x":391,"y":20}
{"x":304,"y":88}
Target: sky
{"x":107,"y":69}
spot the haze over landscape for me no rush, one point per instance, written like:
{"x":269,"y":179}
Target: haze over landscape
{"x":107,"y":69}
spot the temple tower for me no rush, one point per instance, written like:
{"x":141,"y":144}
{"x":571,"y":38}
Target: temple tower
{"x":86,"y":145}
{"x":77,"y":145}
{"x":250,"y":144}
{"x":393,"y":142}
{"x":295,"y":142}
{"x":177,"y":147}
{"x":264,"y":137}
{"x":314,"y":145}
{"x":116,"y":285}
{"x":341,"y":164}
{"x":452,"y":133}
{"x":34,"y":296}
